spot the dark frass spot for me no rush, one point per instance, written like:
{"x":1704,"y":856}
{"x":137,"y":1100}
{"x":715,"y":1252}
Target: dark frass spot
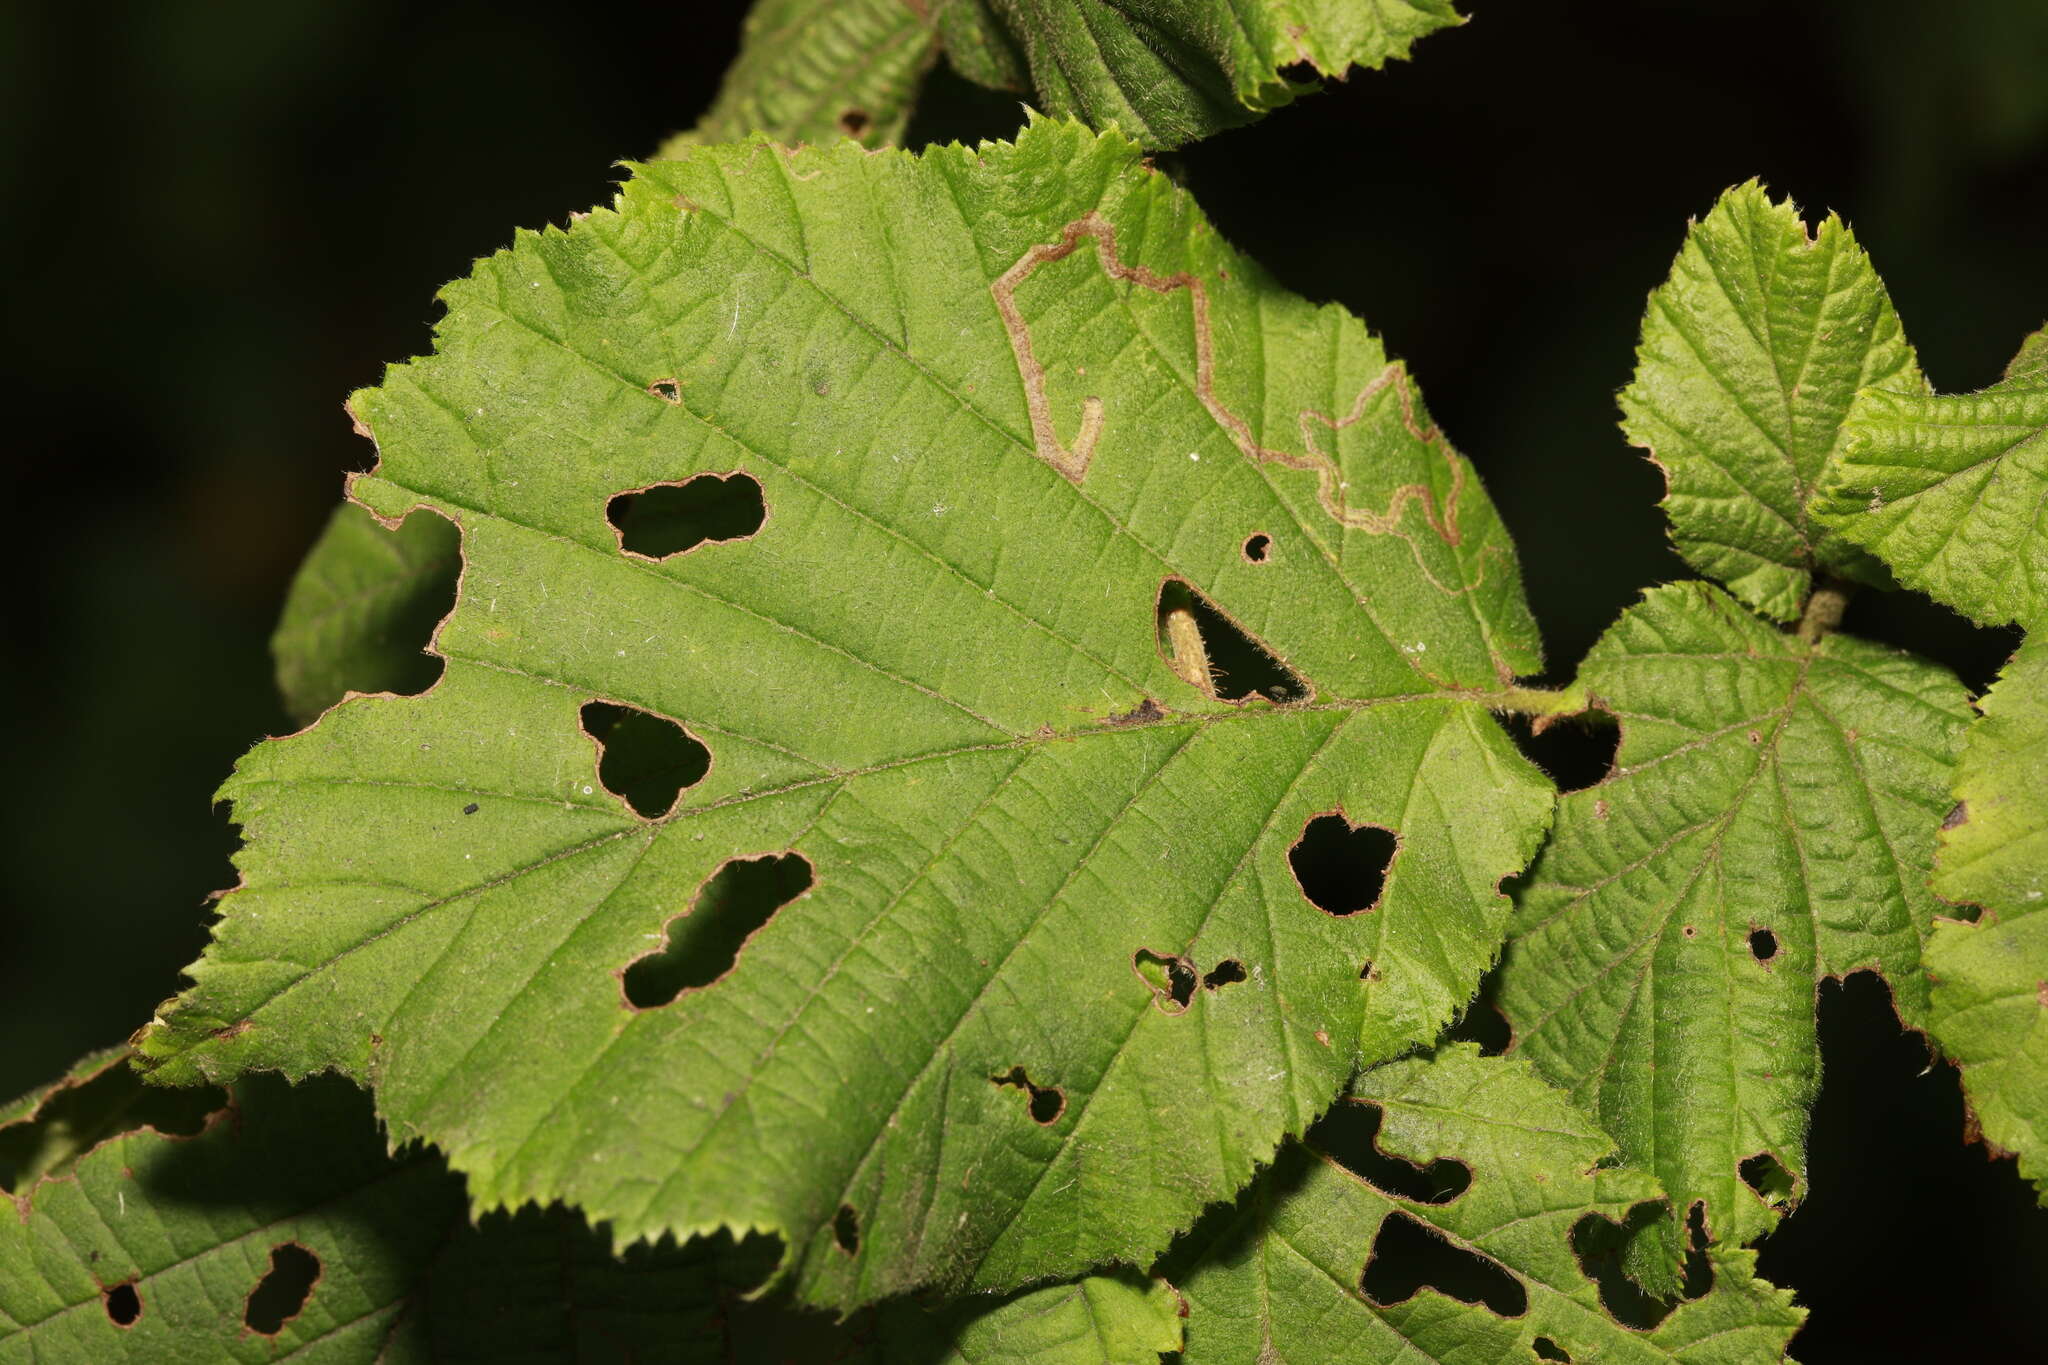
{"x":645,"y":759}
{"x":846,"y":1229}
{"x":471,"y":809}
{"x":704,"y":942}
{"x":282,"y":1292}
{"x":1224,"y":973}
{"x":1407,"y":1257}
{"x":1229,"y":665}
{"x":670,"y":518}
{"x":1047,"y":1102}
{"x":1342,"y":868}
{"x":1349,"y":1135}
{"x":123,"y":1304}
{"x":1170,"y":979}
{"x":1257,"y":546}
{"x":1763,"y":944}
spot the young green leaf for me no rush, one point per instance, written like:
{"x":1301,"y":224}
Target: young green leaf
{"x":361,"y":608}
{"x":810,"y":72}
{"x":1751,"y":355}
{"x":1990,"y":999}
{"x":1769,"y":823}
{"x":1289,"y":1274}
{"x":1170,"y":71}
{"x":1950,"y":492}
{"x":1009,"y":417}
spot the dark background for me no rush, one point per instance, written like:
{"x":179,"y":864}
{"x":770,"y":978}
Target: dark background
{"x":223,"y":218}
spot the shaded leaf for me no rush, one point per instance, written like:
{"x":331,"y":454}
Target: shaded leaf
{"x":1770,"y":822}
{"x":1990,"y":998}
{"x":1171,"y":71}
{"x":1750,"y":357}
{"x":996,"y":402}
{"x":44,"y":1131}
{"x":1284,"y":1276}
{"x":1951,"y":492}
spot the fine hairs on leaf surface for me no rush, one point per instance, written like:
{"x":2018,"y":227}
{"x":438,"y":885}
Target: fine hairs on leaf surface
{"x":953,"y":377}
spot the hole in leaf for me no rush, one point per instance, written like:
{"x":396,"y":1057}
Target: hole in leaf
{"x":1365,"y":971}
{"x":1212,"y":653}
{"x":1599,"y":1244}
{"x":668,"y":519}
{"x":1349,"y":1135}
{"x":667,"y":390}
{"x":1224,"y":973}
{"x":1407,"y":1257}
{"x":1576,"y":752}
{"x":1257,"y":546}
{"x":1769,"y":1178}
{"x":1763,"y":944}
{"x":1482,"y":1022}
{"x":76,"y":1116}
{"x":1047,"y":1102}
{"x":644,"y":759}
{"x":846,"y":1229}
{"x":1170,"y":979}
{"x":123,"y":1304}
{"x":283,"y":1290}
{"x":705,"y":940}
{"x":1546,"y":1349}
{"x":1699,"y":1271}
{"x":854,"y":122}
{"x":1341,"y":867}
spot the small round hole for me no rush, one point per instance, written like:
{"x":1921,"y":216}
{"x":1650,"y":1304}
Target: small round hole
{"x":1257,"y":546}
{"x":124,"y":1305}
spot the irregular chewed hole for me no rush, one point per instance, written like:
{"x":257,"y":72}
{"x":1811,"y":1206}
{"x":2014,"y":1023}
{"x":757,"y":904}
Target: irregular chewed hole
{"x":1546,"y":1349}
{"x":854,"y":122}
{"x":74,"y":1117}
{"x":1699,"y":1271}
{"x":1599,"y":1246}
{"x":1768,"y":1177}
{"x":645,"y":759}
{"x":1223,"y":974}
{"x":123,"y":1304}
{"x":1407,"y":1257}
{"x":1047,"y":1102}
{"x":846,"y":1229}
{"x":667,"y":390}
{"x":1763,"y":944}
{"x":1211,"y":652}
{"x":1257,"y":546}
{"x":1365,"y":971}
{"x":1349,"y":1135}
{"x":1341,"y":867}
{"x":668,"y":518}
{"x":283,"y":1290}
{"x":1170,"y":979}
{"x":705,"y":940}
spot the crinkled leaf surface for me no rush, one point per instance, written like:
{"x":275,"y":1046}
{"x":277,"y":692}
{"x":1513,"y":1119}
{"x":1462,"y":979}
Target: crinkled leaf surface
{"x":1171,"y":71}
{"x":1952,"y":492}
{"x":1751,"y":355}
{"x":361,"y":606}
{"x":399,"y":1274}
{"x":810,"y":72}
{"x":1769,"y":822}
{"x":993,"y":400}
{"x":1990,"y":998}
{"x":1279,"y":1277}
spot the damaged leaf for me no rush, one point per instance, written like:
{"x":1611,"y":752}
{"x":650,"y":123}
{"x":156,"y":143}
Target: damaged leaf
{"x":1769,"y":823}
{"x":993,"y":402}
{"x":1286,"y":1277}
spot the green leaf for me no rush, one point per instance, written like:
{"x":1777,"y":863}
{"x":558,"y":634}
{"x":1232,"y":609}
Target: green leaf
{"x":360,"y":607}
{"x":997,"y":404}
{"x":1751,"y":355}
{"x":1769,"y":823}
{"x":389,"y":1268}
{"x":1952,"y":493}
{"x":1170,"y":71}
{"x":1990,"y":999}
{"x":1283,"y":1276}
{"x":808,"y":72}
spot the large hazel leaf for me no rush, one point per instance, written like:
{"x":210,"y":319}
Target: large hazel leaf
{"x":1990,"y":999}
{"x":1751,"y":354}
{"x":1283,"y":1278}
{"x":1952,"y":492}
{"x":1769,"y":823}
{"x":282,"y":1229}
{"x":1052,"y":986}
{"x":1170,"y":71}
